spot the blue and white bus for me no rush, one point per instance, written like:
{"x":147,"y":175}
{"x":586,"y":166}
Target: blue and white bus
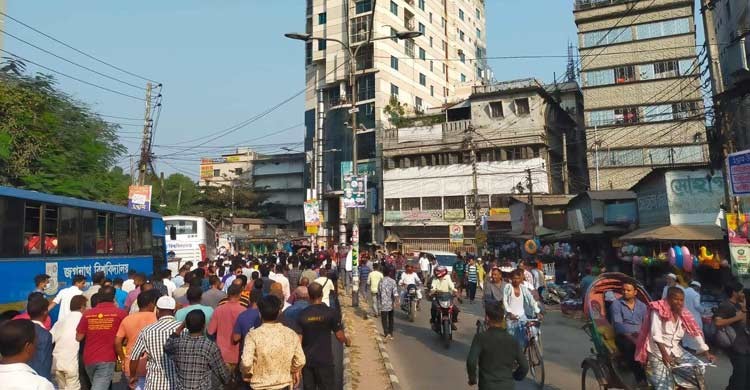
{"x":63,"y":237}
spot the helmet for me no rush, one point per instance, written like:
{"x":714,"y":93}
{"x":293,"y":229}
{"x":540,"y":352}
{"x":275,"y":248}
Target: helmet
{"x":440,"y":271}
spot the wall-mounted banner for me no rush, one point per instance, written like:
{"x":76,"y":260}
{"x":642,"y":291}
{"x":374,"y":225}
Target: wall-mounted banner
{"x":139,"y":198}
{"x":457,"y":234}
{"x":355,"y":191}
{"x":312,"y":213}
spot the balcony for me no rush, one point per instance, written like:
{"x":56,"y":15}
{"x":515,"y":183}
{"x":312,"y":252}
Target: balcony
{"x":588,"y":4}
{"x":409,"y":22}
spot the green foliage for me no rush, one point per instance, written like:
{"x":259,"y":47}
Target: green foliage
{"x":51,"y":143}
{"x":395,"y":111}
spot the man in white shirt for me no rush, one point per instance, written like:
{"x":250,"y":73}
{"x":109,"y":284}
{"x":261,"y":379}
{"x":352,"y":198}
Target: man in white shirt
{"x":129,"y":285}
{"x":407,"y":278}
{"x":65,"y":353}
{"x":424,"y":266}
{"x":280,"y":278}
{"x":669,"y":324}
{"x":168,"y":283}
{"x":17,"y":339}
{"x":65,"y":295}
{"x":693,"y":305}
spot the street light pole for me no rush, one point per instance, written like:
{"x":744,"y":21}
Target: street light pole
{"x":353,"y":123}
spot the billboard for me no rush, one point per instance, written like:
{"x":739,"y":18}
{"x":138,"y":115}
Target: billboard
{"x":355,"y":191}
{"x":139,"y":198}
{"x":738,"y":166}
{"x":312,"y":213}
{"x":207,"y":171}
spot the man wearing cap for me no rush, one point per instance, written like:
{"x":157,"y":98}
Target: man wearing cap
{"x":671,"y":282}
{"x":161,"y":372}
{"x":693,"y":304}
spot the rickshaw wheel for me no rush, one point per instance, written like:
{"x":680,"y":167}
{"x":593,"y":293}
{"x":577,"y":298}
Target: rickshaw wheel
{"x":600,"y":383}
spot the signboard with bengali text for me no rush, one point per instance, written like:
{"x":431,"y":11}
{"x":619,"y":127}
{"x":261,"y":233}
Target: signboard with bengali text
{"x":738,"y":168}
{"x":139,"y":198}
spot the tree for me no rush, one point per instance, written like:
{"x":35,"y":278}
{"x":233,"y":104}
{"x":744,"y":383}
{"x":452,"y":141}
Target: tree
{"x":179,"y":193}
{"x":50,"y":142}
{"x":395,"y":111}
{"x":215,"y":203}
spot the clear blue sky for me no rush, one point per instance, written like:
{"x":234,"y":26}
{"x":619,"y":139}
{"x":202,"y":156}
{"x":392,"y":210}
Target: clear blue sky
{"x":223,"y":62}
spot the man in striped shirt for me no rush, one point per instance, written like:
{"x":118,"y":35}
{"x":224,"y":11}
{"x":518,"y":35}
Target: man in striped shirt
{"x":161,"y":371}
{"x":472,"y":277}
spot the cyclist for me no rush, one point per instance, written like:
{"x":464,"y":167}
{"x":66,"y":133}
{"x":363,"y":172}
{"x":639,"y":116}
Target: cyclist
{"x":493,"y":292}
{"x":520,"y":306}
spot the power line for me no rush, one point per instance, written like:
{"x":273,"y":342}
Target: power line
{"x":119,"y":117}
{"x":77,"y":50}
{"x":73,"y":78}
{"x":72,"y":62}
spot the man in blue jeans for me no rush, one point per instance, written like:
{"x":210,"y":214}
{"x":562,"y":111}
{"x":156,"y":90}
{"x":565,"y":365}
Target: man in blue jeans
{"x":98,"y":327}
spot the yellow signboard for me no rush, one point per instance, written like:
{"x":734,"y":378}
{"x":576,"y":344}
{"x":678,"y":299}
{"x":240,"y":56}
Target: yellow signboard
{"x":312,"y":229}
{"x":207,"y":171}
{"x":499,"y":211}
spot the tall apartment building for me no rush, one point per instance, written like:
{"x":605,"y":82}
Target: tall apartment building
{"x":642,"y":89}
{"x":730,"y":22}
{"x":423,"y":73}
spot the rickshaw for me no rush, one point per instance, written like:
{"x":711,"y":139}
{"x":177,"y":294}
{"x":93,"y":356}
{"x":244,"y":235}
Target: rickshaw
{"x":606,"y":364}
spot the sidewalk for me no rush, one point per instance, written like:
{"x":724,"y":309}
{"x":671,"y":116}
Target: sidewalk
{"x":366,"y":368}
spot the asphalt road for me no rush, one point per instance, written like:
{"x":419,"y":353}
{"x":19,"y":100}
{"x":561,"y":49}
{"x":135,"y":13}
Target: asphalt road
{"x":421,"y":362}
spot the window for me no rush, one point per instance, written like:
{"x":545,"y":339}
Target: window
{"x":496,"y":109}
{"x":409,"y":47}
{"x":479,"y":14}
{"x":442,"y":22}
{"x":308,"y":53}
{"x":463,"y":78}
{"x":50,"y":230}
{"x":432,"y":203}
{"x":410,"y":203}
{"x":32,"y":229}
{"x":432,"y":90}
{"x":461,"y":35}
{"x":665,"y":69}
{"x":238,"y":171}
{"x":601,"y":118}
{"x":367,"y":116}
{"x":366,"y":87}
{"x":607,"y":37}
{"x":462,"y":56}
{"x":11,"y":227}
{"x":394,"y":8}
{"x":624,"y":74}
{"x":394,"y":62}
{"x":322,"y":18}
{"x":685,"y":110}
{"x":432,"y":66}
{"x":217,"y":172}
{"x":418,"y":104}
{"x":663,"y":29}
{"x":461,"y":14}
{"x":422,"y":28}
{"x":522,"y":106}
{"x":393,"y":204}
{"x":455,"y":202}
{"x":103,"y":233}
{"x":421,"y":4}
{"x":362,"y":6}
{"x":430,"y":17}
{"x":445,"y":91}
{"x":422,"y":54}
{"x":141,"y":235}
{"x":445,"y":68}
{"x":445,"y":46}
{"x":393,"y":34}
{"x":430,"y":41}
{"x":422,"y":79}
{"x":321,"y":44}
{"x":657,"y":113}
{"x":394,"y":90}
{"x":479,"y":33}
{"x":360,"y":28}
{"x":626,"y":115}
{"x":68,"y":239}
{"x":121,"y":238}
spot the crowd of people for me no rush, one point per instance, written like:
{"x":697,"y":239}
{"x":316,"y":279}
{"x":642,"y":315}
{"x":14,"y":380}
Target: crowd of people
{"x":261,"y":323}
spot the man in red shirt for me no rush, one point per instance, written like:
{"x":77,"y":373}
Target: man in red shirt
{"x":98,"y":327}
{"x":222,"y":326}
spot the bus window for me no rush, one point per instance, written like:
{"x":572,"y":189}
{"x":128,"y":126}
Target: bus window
{"x":88,"y":232}
{"x":70,"y":223}
{"x":32,"y":229}
{"x":121,"y":239}
{"x":103,"y":245}
{"x":50,"y":230}
{"x":142,"y":236}
{"x":183,"y":227}
{"x":11,"y":227}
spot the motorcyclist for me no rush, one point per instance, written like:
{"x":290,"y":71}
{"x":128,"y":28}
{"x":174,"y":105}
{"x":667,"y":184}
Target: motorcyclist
{"x":407,"y":278}
{"x":442,"y":283}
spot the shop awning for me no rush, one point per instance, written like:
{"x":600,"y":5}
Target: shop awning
{"x":676,"y":233}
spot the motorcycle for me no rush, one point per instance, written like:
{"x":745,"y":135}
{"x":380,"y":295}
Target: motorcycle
{"x":444,"y":320}
{"x":409,"y":305}
{"x":554,"y":294}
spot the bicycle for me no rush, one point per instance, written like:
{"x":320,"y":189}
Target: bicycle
{"x":698,"y":377}
{"x":533,"y":350}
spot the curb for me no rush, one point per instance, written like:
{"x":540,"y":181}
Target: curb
{"x":385,"y":357}
{"x":346,"y":364}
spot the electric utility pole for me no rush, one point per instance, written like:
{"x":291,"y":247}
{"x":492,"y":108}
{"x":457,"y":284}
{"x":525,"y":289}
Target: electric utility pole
{"x":145,"y":161}
{"x":530,"y":186}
